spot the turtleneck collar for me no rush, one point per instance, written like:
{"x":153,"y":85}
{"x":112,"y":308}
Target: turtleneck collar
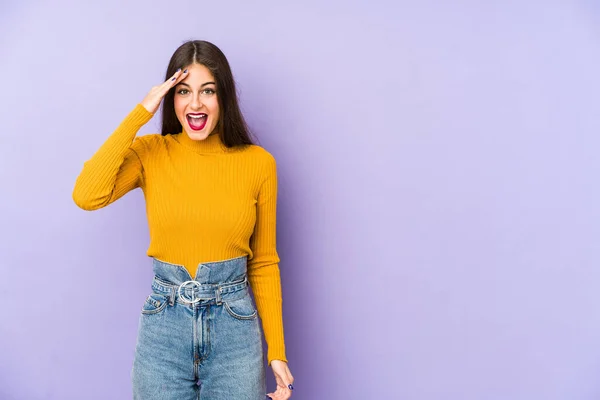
{"x":211,"y":145}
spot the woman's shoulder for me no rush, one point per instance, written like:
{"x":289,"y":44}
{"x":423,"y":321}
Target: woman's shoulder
{"x":149,"y":141}
{"x":261,"y":154}
{"x":263,"y":160}
{"x":148,"y":144}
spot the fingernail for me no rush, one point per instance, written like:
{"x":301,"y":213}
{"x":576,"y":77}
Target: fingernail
{"x":178,"y":69}
{"x":291,"y":387}
{"x":185,"y":72}
{"x":173,"y":79}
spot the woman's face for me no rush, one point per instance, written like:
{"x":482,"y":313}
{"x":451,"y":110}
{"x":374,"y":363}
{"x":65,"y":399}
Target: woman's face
{"x":196,"y":103}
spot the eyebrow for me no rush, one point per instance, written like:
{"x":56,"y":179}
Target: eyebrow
{"x":204,"y":84}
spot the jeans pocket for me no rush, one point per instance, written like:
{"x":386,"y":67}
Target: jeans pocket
{"x":154,"y":304}
{"x":242,"y":308}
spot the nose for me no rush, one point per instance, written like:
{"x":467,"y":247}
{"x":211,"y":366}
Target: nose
{"x":196,"y":104}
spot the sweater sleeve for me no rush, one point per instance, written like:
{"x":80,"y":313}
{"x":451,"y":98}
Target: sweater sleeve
{"x":263,"y":267}
{"x":115,"y":168}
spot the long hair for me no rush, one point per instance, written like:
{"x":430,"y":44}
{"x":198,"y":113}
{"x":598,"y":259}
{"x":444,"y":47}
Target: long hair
{"x":231,"y":125}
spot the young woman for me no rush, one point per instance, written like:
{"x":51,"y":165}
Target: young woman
{"x":211,"y":197}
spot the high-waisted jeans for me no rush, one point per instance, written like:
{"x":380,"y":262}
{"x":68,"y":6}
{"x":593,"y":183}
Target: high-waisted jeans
{"x":199,"y":338}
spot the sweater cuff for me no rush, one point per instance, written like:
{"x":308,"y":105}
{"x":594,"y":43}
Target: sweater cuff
{"x":276,"y":355}
{"x":139,"y":115}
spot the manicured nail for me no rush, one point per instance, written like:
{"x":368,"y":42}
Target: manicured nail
{"x":185,"y":72}
{"x":291,"y":387}
{"x":178,"y":69}
{"x":173,"y":79}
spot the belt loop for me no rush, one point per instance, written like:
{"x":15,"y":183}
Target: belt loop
{"x":172,"y":296}
{"x":218,"y":295}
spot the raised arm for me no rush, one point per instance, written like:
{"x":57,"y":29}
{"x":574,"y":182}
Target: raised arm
{"x":116,"y":168}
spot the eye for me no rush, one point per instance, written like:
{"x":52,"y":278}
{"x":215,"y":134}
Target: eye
{"x":208,"y":91}
{"x":181,"y":91}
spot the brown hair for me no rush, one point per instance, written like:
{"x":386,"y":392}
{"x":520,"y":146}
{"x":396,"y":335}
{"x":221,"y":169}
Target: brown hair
{"x":231,"y":125}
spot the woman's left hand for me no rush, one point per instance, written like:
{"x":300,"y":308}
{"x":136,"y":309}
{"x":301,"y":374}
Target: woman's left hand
{"x":284,"y":377}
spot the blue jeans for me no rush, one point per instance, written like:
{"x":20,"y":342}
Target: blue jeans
{"x":200,"y":338}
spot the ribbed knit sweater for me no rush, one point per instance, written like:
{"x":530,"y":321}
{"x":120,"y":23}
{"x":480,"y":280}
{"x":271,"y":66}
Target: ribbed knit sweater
{"x":204,"y":202}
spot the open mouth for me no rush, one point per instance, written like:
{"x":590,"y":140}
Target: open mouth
{"x":197,"y":121}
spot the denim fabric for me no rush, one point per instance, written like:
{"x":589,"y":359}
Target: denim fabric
{"x":209,"y":350}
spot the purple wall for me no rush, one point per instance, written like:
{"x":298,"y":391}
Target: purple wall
{"x":439,"y":210}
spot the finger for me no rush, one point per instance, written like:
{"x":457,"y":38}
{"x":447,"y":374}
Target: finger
{"x":178,"y":76}
{"x":287,"y":379}
{"x":174,"y":76}
{"x":276,"y":395}
{"x":176,"y":79}
{"x":173,"y":80}
{"x":283,"y":393}
{"x":287,"y":382}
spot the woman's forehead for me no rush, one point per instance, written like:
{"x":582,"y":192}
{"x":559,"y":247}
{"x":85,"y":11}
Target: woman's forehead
{"x":198,"y":71}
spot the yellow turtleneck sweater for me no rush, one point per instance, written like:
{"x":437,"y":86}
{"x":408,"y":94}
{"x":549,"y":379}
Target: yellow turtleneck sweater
{"x":204,"y":202}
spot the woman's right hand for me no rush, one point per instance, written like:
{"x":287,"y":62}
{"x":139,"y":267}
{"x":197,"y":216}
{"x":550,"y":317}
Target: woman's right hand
{"x":156,"y":94}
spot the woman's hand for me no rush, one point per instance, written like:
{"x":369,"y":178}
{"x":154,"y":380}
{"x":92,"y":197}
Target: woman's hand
{"x":284,"y":377}
{"x":156,"y":94}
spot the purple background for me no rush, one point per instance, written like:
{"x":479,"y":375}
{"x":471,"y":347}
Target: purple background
{"x":439,"y":209}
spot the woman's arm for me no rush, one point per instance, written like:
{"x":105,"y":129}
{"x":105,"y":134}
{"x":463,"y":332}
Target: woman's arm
{"x":115,"y":168}
{"x":263,"y":268}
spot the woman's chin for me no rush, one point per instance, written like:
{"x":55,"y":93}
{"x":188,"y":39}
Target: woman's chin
{"x":197,"y":135}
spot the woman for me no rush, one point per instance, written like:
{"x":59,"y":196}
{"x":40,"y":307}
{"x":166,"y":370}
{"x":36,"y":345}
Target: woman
{"x":211,"y":198}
